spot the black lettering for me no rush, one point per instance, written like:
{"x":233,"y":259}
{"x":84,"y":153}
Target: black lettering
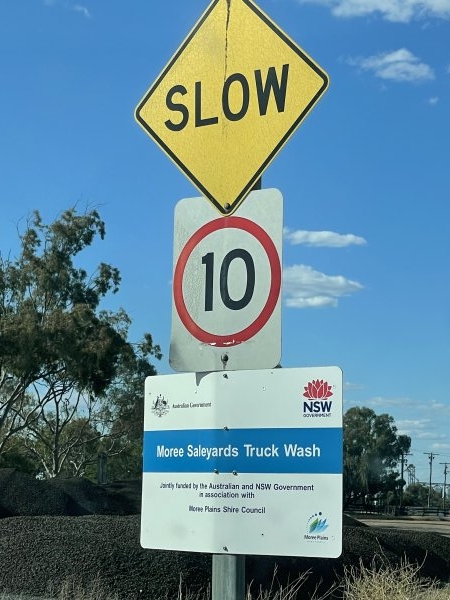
{"x":271,"y":84}
{"x":199,"y":120}
{"x":175,"y":106}
{"x":235,"y":116}
{"x":208,"y":260}
{"x":250,"y":287}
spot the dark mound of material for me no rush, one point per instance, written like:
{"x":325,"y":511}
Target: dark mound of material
{"x":93,"y":532}
{"x":352,"y":522}
{"x":22,"y":495}
{"x":36,"y":550}
{"x":122,"y":498}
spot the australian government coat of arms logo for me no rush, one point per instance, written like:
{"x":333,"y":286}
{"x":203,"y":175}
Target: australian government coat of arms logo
{"x":160,"y":406}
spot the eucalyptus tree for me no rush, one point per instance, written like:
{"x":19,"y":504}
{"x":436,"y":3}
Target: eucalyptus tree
{"x":56,"y":343}
{"x":372,"y":451}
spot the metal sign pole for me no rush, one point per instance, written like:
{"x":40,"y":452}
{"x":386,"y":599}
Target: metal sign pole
{"x":228,"y":577}
{"x":228,"y":570}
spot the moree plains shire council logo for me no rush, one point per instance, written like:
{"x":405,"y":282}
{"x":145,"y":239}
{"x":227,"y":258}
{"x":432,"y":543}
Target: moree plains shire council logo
{"x":315,"y":528}
{"x":160,"y":406}
{"x":317,"y":404}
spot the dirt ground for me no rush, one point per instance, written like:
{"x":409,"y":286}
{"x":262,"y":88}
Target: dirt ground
{"x":428,"y":524}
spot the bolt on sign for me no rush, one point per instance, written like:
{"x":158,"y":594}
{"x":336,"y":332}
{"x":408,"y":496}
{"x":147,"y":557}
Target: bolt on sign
{"x":229,"y":99}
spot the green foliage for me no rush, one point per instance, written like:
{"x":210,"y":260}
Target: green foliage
{"x":63,"y":444}
{"x":372,"y":449}
{"x":15,"y":456}
{"x":126,"y":401}
{"x":54,"y":338}
{"x":48,"y":307}
{"x":416,"y":494}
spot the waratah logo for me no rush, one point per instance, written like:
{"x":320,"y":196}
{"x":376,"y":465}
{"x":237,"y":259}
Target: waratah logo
{"x":317,"y":391}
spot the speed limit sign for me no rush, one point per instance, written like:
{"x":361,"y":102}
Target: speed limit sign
{"x":226,"y":310}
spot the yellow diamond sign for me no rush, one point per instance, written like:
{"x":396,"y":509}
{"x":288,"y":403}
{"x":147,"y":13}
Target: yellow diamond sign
{"x":229,"y":99}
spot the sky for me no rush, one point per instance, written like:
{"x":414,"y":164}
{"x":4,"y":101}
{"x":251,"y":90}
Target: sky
{"x":364,"y":181}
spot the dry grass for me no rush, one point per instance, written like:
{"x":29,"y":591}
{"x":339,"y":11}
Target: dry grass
{"x":380,"y":581}
{"x":290,"y":591}
{"x":386,"y":582}
{"x":276,"y":591}
{"x":73,"y":590}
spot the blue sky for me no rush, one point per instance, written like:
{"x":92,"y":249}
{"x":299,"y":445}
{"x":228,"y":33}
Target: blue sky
{"x":364,"y":180}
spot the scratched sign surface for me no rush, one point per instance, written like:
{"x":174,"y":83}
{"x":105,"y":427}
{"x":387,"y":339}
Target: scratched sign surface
{"x":229,"y":99}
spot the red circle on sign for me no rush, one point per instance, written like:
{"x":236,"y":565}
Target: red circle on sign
{"x":245,"y":334}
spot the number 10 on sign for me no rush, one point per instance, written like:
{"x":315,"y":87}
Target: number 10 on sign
{"x":226,"y":310}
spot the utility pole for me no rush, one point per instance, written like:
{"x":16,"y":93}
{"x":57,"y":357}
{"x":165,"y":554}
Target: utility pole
{"x":444,"y":491}
{"x":403,"y":463}
{"x":431,"y":457}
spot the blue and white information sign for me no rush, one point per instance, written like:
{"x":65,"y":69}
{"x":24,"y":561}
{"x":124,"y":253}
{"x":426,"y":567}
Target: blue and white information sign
{"x":244,"y":462}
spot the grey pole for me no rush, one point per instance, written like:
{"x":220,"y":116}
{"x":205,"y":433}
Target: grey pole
{"x":228,"y":577}
{"x":228,"y":570}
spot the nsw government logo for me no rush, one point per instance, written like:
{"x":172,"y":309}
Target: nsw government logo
{"x":317,"y":404}
{"x":315,"y":528}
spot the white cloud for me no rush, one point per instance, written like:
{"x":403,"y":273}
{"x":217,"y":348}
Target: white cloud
{"x":430,"y":435}
{"x":83,"y":10}
{"x":303,"y":287}
{"x":413,"y":424}
{"x":399,"y":65}
{"x":351,"y":386}
{"x":433,"y":101}
{"x":420,"y":429}
{"x":401,"y":11}
{"x":328,"y":239}
{"x":444,"y":448}
{"x":381,"y":402}
{"x":440,"y":408}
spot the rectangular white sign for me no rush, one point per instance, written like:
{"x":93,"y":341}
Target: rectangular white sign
{"x":244,"y":462}
{"x":226,"y":308}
